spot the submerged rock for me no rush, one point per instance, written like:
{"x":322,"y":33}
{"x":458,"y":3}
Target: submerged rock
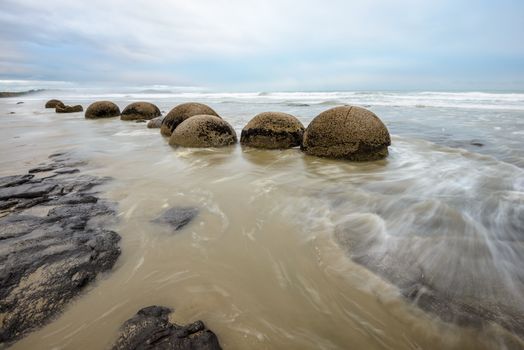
{"x":54,"y":103}
{"x":272,"y":130}
{"x":155,"y":123}
{"x":140,"y":111}
{"x":50,"y":258}
{"x":68,"y":109}
{"x":182,"y":112}
{"x":203,"y":131}
{"x":177,"y":217}
{"x":102,"y":109}
{"x":150,"y":329}
{"x":448,"y":276}
{"x":347,"y":132}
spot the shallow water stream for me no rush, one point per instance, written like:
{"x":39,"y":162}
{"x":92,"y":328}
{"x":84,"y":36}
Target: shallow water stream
{"x":260,"y":264}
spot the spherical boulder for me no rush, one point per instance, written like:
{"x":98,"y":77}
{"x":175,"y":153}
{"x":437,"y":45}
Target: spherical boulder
{"x":203,"y":131}
{"x":53,"y":103}
{"x":181,"y":112}
{"x":102,"y":109}
{"x":140,"y":110}
{"x":68,"y":109}
{"x":155,"y":123}
{"x":347,"y":132}
{"x":272,"y":130}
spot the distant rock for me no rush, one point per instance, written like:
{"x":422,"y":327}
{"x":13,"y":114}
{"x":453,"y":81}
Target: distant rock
{"x":150,"y":329}
{"x":102,"y":109}
{"x":272,"y":130}
{"x":177,"y":217}
{"x":203,"y":131}
{"x":69,"y":109}
{"x":49,"y":259}
{"x":347,"y":132}
{"x":182,"y":112}
{"x":18,"y":93}
{"x":54,"y":103}
{"x":155,"y":123}
{"x":140,"y":111}
{"x":20,"y":103}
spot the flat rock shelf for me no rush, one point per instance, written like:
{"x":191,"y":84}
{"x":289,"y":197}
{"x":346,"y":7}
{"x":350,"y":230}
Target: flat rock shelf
{"x":54,"y":242}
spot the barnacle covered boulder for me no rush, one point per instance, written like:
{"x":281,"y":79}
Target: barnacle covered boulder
{"x":203,"y":131}
{"x":140,"y":110}
{"x":181,"y":112}
{"x":347,"y":132}
{"x":102,"y":109}
{"x":272,"y":130}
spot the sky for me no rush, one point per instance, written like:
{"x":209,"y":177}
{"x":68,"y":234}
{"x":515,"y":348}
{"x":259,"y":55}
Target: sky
{"x":263,"y":45}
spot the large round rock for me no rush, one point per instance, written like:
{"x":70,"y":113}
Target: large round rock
{"x":203,"y":131}
{"x":102,"y":109}
{"x":54,"y":103}
{"x":272,"y":130}
{"x":181,"y":112}
{"x":140,"y":110}
{"x":347,"y":132}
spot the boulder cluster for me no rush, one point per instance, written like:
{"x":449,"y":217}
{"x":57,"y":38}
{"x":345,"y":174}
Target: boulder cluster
{"x":346,"y":132}
{"x":60,"y":107}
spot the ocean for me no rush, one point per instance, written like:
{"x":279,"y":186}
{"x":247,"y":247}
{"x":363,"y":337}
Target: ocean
{"x":295,"y":252}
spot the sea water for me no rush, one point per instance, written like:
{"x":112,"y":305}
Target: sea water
{"x":261,"y":264}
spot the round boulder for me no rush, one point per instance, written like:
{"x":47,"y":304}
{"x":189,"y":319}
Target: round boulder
{"x":155,"y":123}
{"x":102,"y":109}
{"x":347,"y":132}
{"x":140,"y":110}
{"x":203,"y":131}
{"x":272,"y":130}
{"x":181,"y":112}
{"x":54,"y":103}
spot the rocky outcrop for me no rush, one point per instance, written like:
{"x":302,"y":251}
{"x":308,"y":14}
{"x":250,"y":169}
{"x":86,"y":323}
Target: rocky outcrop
{"x":140,"y":111}
{"x":272,"y":130}
{"x":347,"y":132}
{"x":182,"y":112}
{"x":102,"y":109}
{"x":54,"y":241}
{"x":54,"y":103}
{"x":69,"y":109}
{"x":203,"y":131}
{"x":155,"y":123}
{"x":150,"y":329}
{"x":177,"y":217}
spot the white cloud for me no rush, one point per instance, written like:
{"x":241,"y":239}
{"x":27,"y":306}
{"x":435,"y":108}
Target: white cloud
{"x":126,"y":39}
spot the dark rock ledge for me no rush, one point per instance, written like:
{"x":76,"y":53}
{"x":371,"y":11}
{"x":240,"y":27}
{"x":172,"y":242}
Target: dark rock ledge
{"x":150,"y":329}
{"x":54,"y":241}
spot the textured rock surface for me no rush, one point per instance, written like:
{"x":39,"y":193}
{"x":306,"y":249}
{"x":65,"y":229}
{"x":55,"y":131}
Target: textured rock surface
{"x":177,"y":217}
{"x":272,"y":130}
{"x":347,"y":132}
{"x":182,"y":112}
{"x":155,"y":123}
{"x":150,"y":329}
{"x":53,"y":103}
{"x":102,"y":109}
{"x":203,"y":131}
{"x":48,"y":258}
{"x":140,"y":111}
{"x":68,"y":109}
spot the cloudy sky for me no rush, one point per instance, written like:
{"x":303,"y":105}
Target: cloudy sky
{"x":264,"y":45}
